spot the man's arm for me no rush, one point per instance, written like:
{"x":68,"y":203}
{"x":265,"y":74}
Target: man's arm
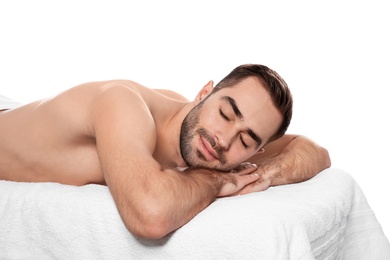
{"x":289,"y":159}
{"x":151,"y":201}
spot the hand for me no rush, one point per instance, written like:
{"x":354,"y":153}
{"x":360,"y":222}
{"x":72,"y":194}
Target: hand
{"x":261,"y":184}
{"x":238,"y":180}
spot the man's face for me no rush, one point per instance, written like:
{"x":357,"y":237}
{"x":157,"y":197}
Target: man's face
{"x":229,"y":126}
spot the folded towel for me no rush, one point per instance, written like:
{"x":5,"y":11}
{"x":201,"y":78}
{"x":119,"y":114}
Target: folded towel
{"x":7,"y":103}
{"x":326,"y":217}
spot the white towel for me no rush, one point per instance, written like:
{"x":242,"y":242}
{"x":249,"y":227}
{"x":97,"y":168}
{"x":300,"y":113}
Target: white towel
{"x":7,"y":103}
{"x":326,"y":217}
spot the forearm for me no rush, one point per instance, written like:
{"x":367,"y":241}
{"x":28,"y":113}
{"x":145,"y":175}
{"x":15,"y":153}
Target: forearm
{"x":189,"y":193}
{"x":299,"y":161}
{"x":171,"y":198}
{"x":171,"y":201}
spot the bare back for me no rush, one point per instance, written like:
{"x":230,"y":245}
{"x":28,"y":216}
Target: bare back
{"x":54,"y":140}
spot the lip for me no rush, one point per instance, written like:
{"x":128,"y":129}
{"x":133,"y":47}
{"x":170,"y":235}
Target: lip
{"x":206,"y":149}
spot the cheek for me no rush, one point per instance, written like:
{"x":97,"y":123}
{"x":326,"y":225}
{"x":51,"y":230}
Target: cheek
{"x":212,"y":122}
{"x":237,"y":155}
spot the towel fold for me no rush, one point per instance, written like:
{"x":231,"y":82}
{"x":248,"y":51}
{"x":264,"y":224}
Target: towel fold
{"x":326,"y":217}
{"x":7,"y":103}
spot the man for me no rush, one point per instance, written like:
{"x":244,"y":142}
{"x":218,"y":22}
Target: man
{"x":137,"y":141}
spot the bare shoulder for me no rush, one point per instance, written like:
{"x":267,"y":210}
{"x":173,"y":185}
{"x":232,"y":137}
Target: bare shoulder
{"x":88,"y":92}
{"x":74,"y":110}
{"x":172,"y":94}
{"x":122,"y":112}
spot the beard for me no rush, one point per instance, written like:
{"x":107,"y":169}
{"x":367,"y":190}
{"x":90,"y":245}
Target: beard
{"x":191,"y":156}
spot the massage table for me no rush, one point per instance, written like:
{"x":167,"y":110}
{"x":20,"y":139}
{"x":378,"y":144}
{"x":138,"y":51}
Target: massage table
{"x":326,"y":217}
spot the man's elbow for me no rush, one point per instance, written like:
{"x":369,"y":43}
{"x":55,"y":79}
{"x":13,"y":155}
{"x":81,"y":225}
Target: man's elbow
{"x":150,"y":224}
{"x":149,"y":231}
{"x":321,"y":154}
{"x":326,"y":158}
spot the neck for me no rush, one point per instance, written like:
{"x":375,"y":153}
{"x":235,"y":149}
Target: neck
{"x":167,"y":150}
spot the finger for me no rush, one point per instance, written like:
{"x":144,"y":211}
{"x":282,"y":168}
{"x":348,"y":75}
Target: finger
{"x":241,"y":166}
{"x":255,"y":187}
{"x":246,"y":179}
{"x":236,"y":183}
{"x":247,"y":168}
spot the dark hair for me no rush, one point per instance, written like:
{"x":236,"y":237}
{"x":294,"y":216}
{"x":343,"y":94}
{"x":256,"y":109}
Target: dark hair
{"x":274,"y":84}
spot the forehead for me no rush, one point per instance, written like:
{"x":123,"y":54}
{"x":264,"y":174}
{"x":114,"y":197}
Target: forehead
{"x":255,"y":104}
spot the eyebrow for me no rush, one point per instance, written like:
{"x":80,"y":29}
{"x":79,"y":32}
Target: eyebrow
{"x":238,"y":113}
{"x":233,"y":104}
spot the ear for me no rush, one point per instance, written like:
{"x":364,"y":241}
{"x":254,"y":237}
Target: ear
{"x":205,"y":91}
{"x":262,"y":150}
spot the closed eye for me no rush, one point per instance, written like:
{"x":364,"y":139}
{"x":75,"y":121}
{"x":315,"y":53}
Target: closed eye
{"x":243,"y":142}
{"x":223,"y":115}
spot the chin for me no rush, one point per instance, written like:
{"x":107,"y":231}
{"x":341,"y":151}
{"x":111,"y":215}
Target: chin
{"x":207,"y":165}
{"x":196,"y":161}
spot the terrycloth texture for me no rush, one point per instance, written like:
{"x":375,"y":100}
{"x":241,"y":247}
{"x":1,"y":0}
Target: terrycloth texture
{"x":326,"y":217}
{"x":7,"y":103}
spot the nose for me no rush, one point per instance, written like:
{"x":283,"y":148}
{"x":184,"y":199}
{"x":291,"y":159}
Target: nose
{"x":224,"y":138}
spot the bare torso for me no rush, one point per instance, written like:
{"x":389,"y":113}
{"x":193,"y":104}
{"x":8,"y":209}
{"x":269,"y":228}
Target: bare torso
{"x":124,"y":135}
{"x":53,"y":140}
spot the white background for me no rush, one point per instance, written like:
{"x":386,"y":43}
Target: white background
{"x":334,"y":56}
